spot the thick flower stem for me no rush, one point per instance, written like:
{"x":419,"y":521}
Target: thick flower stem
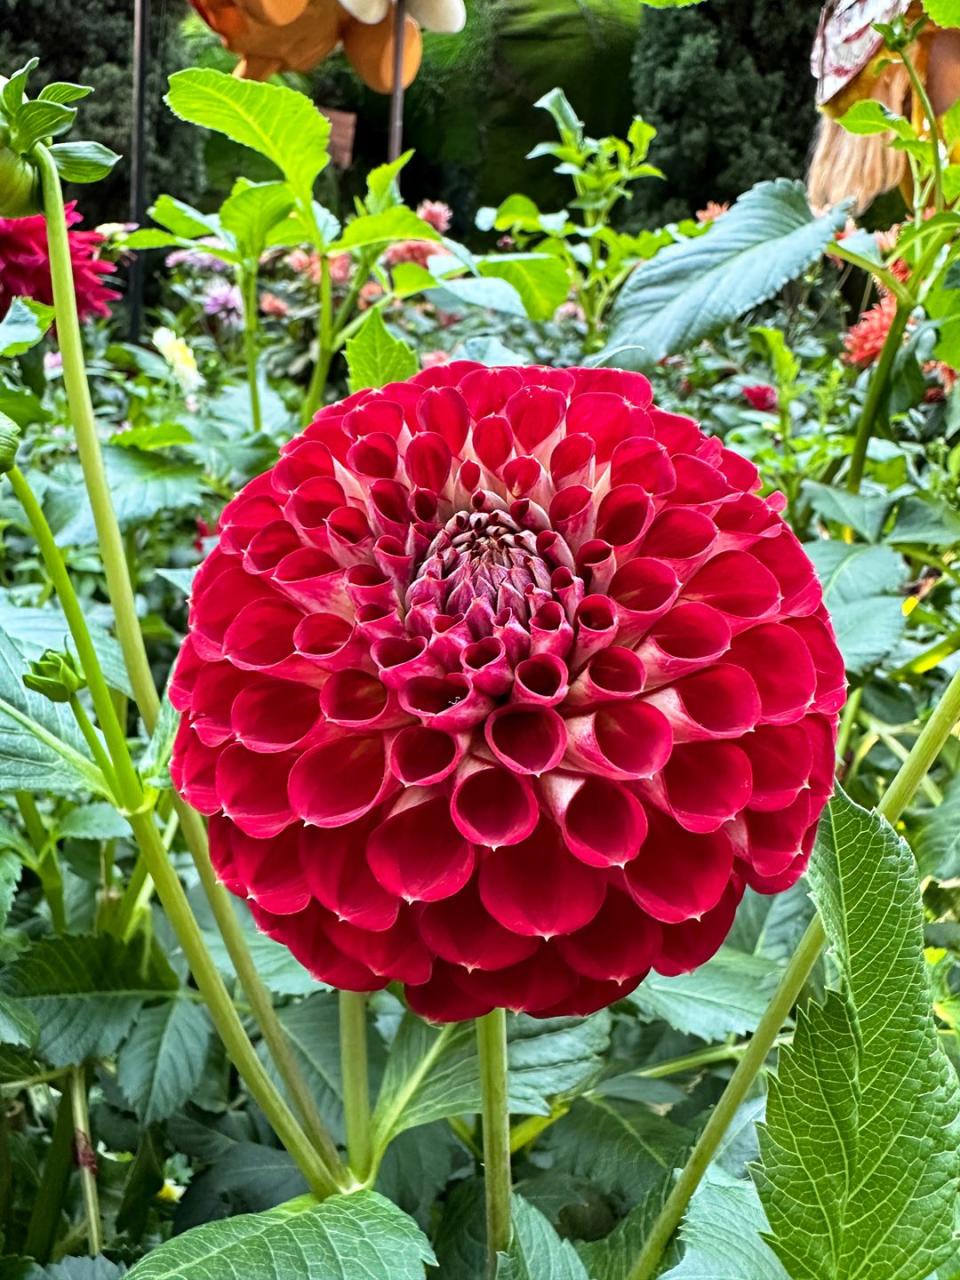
{"x":120,"y":591}
{"x":323,"y":1174}
{"x":356,"y":1082}
{"x":492,"y":1048}
{"x":86,"y":1158}
{"x":897,"y":796}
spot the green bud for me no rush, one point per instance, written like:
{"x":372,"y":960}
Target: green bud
{"x":19,"y":182}
{"x":55,"y":676}
{"x":9,"y":440}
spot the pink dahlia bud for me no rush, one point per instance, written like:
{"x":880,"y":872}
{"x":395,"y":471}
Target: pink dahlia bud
{"x":762,"y":397}
{"x":502,"y":684}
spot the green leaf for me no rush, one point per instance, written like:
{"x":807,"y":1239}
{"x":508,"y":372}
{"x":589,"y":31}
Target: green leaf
{"x":85,"y":992}
{"x":350,"y":1237}
{"x":553,"y":1056}
{"x":34,"y":629}
{"x":83,"y":161}
{"x":945,"y":13}
{"x":18,"y":1026}
{"x":40,"y":119}
{"x":694,"y":287}
{"x":397,"y":223}
{"x":920,"y":521}
{"x":64,"y":91}
{"x":725,"y":996}
{"x":375,"y":357}
{"x":859,"y":586}
{"x":536,"y":1250}
{"x":11,"y":868}
{"x":493,"y":294}
{"x":183,"y":219}
{"x":278,"y":122}
{"x":564,"y":117}
{"x":540,"y":279}
{"x":865,"y":513}
{"x":94,"y":821}
{"x":313,"y":1028}
{"x":24,"y":325}
{"x":41,"y":748}
{"x":870,"y":116}
{"x":721,"y":1234}
{"x":250,"y":213}
{"x":382,"y":184}
{"x":11,"y":93}
{"x":154,"y":763}
{"x":937,"y":842}
{"x":163,"y":1058}
{"x":860,"y":1160}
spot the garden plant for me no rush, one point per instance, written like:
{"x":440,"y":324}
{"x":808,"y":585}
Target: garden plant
{"x":479,"y":765}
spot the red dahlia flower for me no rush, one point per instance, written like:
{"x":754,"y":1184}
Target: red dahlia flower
{"x":25,"y":265}
{"x":502,"y":684}
{"x":762,"y":397}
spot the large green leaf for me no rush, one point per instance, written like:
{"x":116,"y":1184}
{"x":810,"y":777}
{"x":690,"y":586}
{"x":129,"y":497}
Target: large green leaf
{"x":692,"y":288}
{"x":397,"y":223}
{"x":860,"y":586}
{"x":356,"y":1237}
{"x":85,"y":992}
{"x":860,"y":1161}
{"x":937,"y":842}
{"x":721,"y":1234}
{"x":540,"y":279}
{"x":162,"y":1060}
{"x":24,"y":325}
{"x":278,"y":122}
{"x":725,"y":996}
{"x":536,"y":1250}
{"x":251,"y":212}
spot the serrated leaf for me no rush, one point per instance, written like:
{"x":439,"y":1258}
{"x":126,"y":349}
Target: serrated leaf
{"x":937,"y":842}
{"x":536,"y":1250}
{"x":725,"y":996}
{"x":83,"y":161}
{"x":85,"y":992}
{"x":24,"y":325}
{"x":859,"y":586}
{"x":11,"y":869}
{"x":721,"y":1234}
{"x":865,"y":513}
{"x":540,"y":279}
{"x":162,"y":1059}
{"x":492,"y":294}
{"x":250,"y":213}
{"x":860,"y":1162}
{"x":313,"y":1028}
{"x":397,"y":223}
{"x":375,"y":357}
{"x":353,"y":1237}
{"x":278,"y":122}
{"x":18,"y":1026}
{"x":155,"y":761}
{"x":97,"y":820}
{"x":692,"y":288}
{"x":34,"y":629}
{"x":934,"y":524}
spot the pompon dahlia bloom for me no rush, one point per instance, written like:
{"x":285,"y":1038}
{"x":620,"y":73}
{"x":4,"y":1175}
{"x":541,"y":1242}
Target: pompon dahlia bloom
{"x":25,"y":265}
{"x":503,"y":684}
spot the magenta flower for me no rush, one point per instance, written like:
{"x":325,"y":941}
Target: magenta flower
{"x":502,"y":684}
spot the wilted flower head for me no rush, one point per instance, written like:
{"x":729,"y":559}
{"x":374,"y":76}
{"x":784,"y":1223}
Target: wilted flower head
{"x":762,"y":397}
{"x":176,"y":351}
{"x":502,"y":684}
{"x":25,"y":265}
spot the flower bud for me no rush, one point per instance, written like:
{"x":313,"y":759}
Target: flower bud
{"x":55,"y":676}
{"x":19,"y":186}
{"x":9,"y":440}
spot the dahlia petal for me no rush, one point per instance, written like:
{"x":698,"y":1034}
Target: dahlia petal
{"x":417,"y":853}
{"x":624,"y":740}
{"x":597,"y":563}
{"x":739,"y":586}
{"x":444,"y":998}
{"x":526,"y":739}
{"x":275,"y":715}
{"x":396,"y":953}
{"x":642,"y":461}
{"x":786,"y":559}
{"x":705,"y":784}
{"x":183,"y":678}
{"x":486,"y":663}
{"x":446,"y":702}
{"x":698,"y":482}
{"x":775,"y":836}
{"x":781,"y":760}
{"x":301,"y":460}
{"x":573,"y":514}
{"x":492,"y":806}
{"x":683,"y":947}
{"x":818,"y":637}
{"x":252,"y":789}
{"x":268,"y":546}
{"x":214,"y":608}
{"x":375,"y":456}
{"x":619,"y":944}
{"x":643,"y":590}
{"x":613,"y":674}
{"x":679,"y":875}
{"x":193,"y":770}
{"x":692,"y":636}
{"x":428,"y":460}
{"x":245,"y":517}
{"x":603,"y":823}
{"x":681,"y":538}
{"x":743,"y":522}
{"x":492,"y":440}
{"x":587,"y":997}
{"x":539,"y":982}
{"x":597,"y":624}
{"x":444,"y":411}
{"x":368,"y":584}
{"x":624,"y":516}
{"x":420,"y":756}
{"x":535,"y":415}
{"x":675,"y":431}
{"x":573,"y":460}
{"x":602,"y":415}
{"x":215,"y":690}
{"x":357,"y":700}
{"x":538,"y":888}
{"x":311,"y":503}
{"x":340,"y":880}
{"x":781,"y":667}
{"x":312,"y":579}
{"x":542,"y":680}
{"x":220,"y":831}
{"x":261,"y":638}
{"x":330,"y":643}
{"x":550,"y":631}
{"x":462,"y":932}
{"x":270,"y":870}
{"x":720,"y":702}
{"x":340,"y":780}
{"x":305,"y":936}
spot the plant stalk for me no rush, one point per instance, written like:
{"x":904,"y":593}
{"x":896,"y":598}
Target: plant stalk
{"x":356,"y":1082}
{"x":876,"y":393}
{"x":898,"y":795}
{"x":492,"y":1049}
{"x":248,"y":289}
{"x":86,"y":1158}
{"x":48,"y":1202}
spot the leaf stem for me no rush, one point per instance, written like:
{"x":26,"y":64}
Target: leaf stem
{"x":492,"y":1049}
{"x":86,"y":1158}
{"x":924,"y":99}
{"x":248,"y":290}
{"x":356,"y":1082}
{"x":896,"y":798}
{"x":876,"y":393}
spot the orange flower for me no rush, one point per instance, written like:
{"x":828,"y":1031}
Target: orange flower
{"x":864,"y":340}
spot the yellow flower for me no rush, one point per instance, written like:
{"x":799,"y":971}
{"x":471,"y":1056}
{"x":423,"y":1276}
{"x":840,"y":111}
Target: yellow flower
{"x":179,"y":357}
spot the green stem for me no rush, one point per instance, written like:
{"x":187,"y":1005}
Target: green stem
{"x":897,"y":796}
{"x":94,"y":742}
{"x":48,"y":1201}
{"x":119,"y":587}
{"x":876,"y":394}
{"x":321,"y":369}
{"x":248,"y":290}
{"x":47,"y":864}
{"x":356,"y":1082}
{"x":492,"y":1049}
{"x":86,"y":1158}
{"x":848,"y":721}
{"x":924,"y":99}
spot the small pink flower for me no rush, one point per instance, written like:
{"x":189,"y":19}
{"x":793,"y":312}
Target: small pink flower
{"x":430,"y":359}
{"x":712,"y":210}
{"x":418,"y":251}
{"x":436,"y":213}
{"x":762,"y":397}
{"x":271,"y":305}
{"x":570,"y":310}
{"x":370,"y":292}
{"x":224,"y":301}
{"x":305,"y":264}
{"x":341,"y":268}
